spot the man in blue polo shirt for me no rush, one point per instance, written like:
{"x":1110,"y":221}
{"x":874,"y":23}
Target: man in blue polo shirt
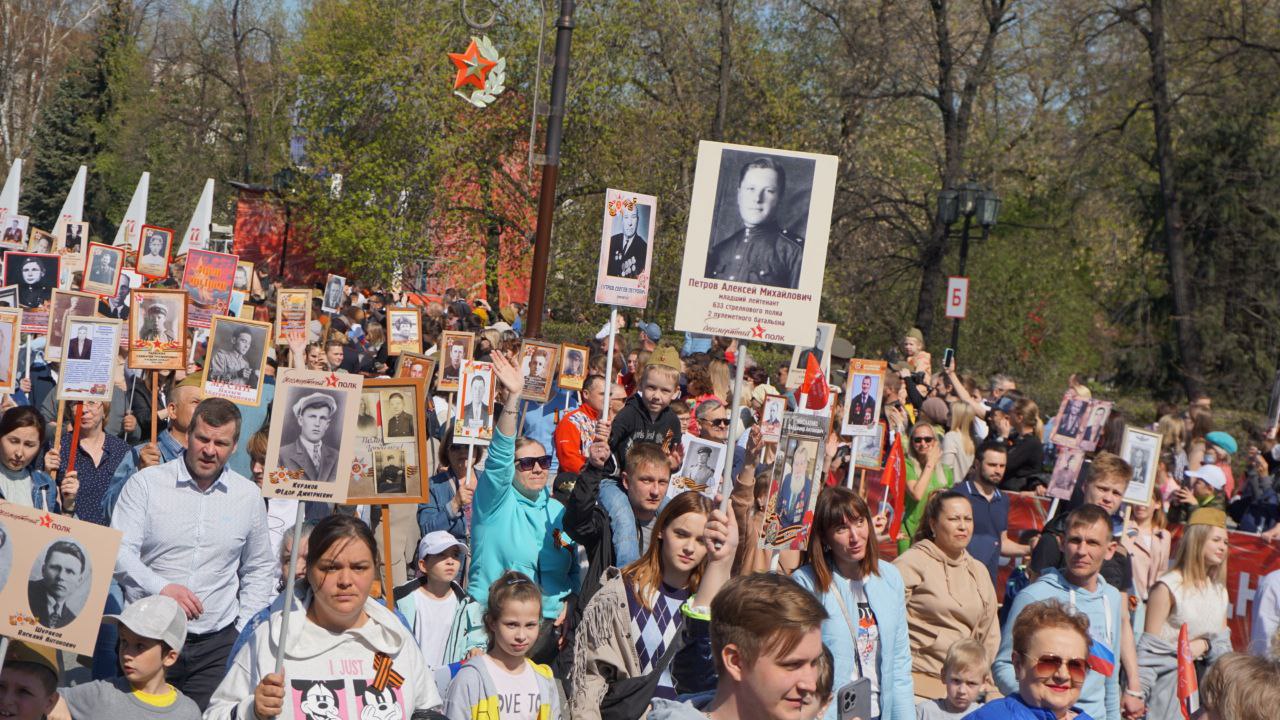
{"x":990,"y":510}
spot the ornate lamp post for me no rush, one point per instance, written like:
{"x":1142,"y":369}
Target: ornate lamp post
{"x":970,"y":201}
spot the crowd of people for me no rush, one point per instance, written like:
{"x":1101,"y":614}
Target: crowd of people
{"x":553,"y":574}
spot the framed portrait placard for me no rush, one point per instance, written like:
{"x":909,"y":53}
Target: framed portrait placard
{"x":404,"y":330}
{"x":775,"y":406}
{"x":573,"y":366}
{"x":207,"y":278}
{"x":756,"y":244}
{"x":156,"y":337}
{"x":71,"y":239}
{"x":293,"y":316}
{"x":1095,"y":420}
{"x":13,"y":231}
{"x":152,"y":260}
{"x":334,"y":292}
{"x":626,"y":248}
{"x":9,"y":296}
{"x":456,"y":348}
{"x":473,"y":420}
{"x":391,"y":453}
{"x":538,"y":366}
{"x":243,"y":279}
{"x":794,"y":492}
{"x":1141,"y":449}
{"x":42,"y":242}
{"x":54,"y":575}
{"x":1066,"y":472}
{"x":236,"y":360}
{"x":309,"y":457}
{"x":415,"y":365}
{"x":1068,"y":424}
{"x":702,"y":469}
{"x":89,"y":358}
{"x":868,"y":450}
{"x":824,"y":336}
{"x":10,"y":340}
{"x":64,"y":303}
{"x":863,"y":394}
{"x":102,"y":269}
{"x":35,"y":275}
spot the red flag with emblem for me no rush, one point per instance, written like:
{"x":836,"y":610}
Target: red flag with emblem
{"x":815,"y":385}
{"x":1188,"y":686}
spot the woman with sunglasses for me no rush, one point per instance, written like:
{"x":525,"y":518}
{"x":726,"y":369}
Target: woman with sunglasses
{"x":866,"y":625}
{"x":1051,"y":661}
{"x":926,"y":474}
{"x":450,"y":491}
{"x":516,"y":524}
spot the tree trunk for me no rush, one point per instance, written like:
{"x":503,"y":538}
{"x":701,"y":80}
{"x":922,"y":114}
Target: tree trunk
{"x":726,"y":68}
{"x":1188,"y":342}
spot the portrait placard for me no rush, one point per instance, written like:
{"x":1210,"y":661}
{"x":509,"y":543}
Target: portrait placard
{"x":243,"y":279}
{"x":868,"y":450}
{"x":756,"y":246}
{"x":863,"y":394}
{"x":1141,"y":449}
{"x":207,"y":279}
{"x":473,"y":422}
{"x":64,"y":303}
{"x":117,"y":306}
{"x":404,"y":330}
{"x":102,"y":269}
{"x":14,"y":233}
{"x":415,"y":365}
{"x":156,"y":337}
{"x":626,"y":248}
{"x":89,"y":358}
{"x":42,"y":242}
{"x":293,"y":316}
{"x":573,"y":366}
{"x":391,"y":457}
{"x":10,"y":340}
{"x":1095,"y":420}
{"x":824,"y":335}
{"x":9,"y":296}
{"x":455,"y":349}
{"x":309,"y":457}
{"x":702,"y":468}
{"x":789,"y":507}
{"x":334,"y":292}
{"x":235,"y":362}
{"x":54,"y":575}
{"x":235,"y":308}
{"x":71,"y":239}
{"x":35,"y":275}
{"x":1066,"y":471}
{"x":775,"y":406}
{"x":152,"y":259}
{"x":538,"y":366}
{"x":1068,"y":425}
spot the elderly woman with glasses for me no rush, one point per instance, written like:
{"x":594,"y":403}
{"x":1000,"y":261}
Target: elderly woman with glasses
{"x":926,"y":473}
{"x":516,"y":524}
{"x":1051,"y":661}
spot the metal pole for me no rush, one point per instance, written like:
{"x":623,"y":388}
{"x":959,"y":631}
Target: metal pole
{"x":609,"y":376}
{"x":964,"y":255}
{"x":550,"y":172}
{"x":735,"y":410}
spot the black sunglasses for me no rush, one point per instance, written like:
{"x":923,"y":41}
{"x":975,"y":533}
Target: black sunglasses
{"x":718,"y":422}
{"x":526,"y":463}
{"x":926,"y":439}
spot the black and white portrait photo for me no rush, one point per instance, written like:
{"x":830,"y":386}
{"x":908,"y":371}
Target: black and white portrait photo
{"x":236,"y":357}
{"x":1070,"y":421}
{"x":310,"y":436}
{"x":473,"y":418}
{"x":74,"y":237}
{"x":1141,"y":449}
{"x":153,"y":255}
{"x":155,"y":329}
{"x":629,"y":243}
{"x":311,"y":447}
{"x":1096,"y":419}
{"x":702,"y":468}
{"x":398,"y":416}
{"x":367,"y":420}
{"x":475,"y":412}
{"x":34,"y":275}
{"x":333,"y":293}
{"x":15,"y":231}
{"x":157,"y":322}
{"x":455,"y":350}
{"x":762,"y":206}
{"x":573,"y":367}
{"x":1066,"y":471}
{"x":103,"y":265}
{"x":824,"y":335}
{"x":59,"y":583}
{"x":388,"y":469}
{"x":243,"y":277}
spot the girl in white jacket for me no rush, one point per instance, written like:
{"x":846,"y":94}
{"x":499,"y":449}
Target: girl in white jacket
{"x":346,"y":656}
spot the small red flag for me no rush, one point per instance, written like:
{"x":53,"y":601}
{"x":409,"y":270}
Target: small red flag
{"x":815,"y":385}
{"x":894,"y":481}
{"x":1188,"y":686}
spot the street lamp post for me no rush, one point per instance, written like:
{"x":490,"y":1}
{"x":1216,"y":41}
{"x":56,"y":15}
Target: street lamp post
{"x":970,"y":201}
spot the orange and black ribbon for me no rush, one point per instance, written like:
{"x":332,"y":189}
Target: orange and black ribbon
{"x":384,"y":675}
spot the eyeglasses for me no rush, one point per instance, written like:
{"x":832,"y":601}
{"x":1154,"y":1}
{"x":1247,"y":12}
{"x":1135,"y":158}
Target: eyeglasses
{"x":718,"y":422}
{"x":1077,"y":668}
{"x":925,"y":439}
{"x":526,"y":463}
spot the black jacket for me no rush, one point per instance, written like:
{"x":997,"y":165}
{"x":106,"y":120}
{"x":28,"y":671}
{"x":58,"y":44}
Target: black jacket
{"x":633,"y":424}
{"x":587,"y":522}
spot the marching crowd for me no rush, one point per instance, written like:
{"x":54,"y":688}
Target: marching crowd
{"x":551,"y":576}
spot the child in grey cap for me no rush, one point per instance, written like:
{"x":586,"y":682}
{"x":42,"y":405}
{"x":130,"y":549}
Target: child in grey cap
{"x":152,"y":631}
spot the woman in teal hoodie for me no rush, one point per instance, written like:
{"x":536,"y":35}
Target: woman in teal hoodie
{"x":516,"y":524}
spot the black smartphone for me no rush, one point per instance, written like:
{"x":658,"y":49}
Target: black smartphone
{"x":948,"y":358}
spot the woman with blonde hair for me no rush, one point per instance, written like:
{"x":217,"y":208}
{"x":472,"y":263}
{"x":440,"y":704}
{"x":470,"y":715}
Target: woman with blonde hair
{"x":957,"y":444}
{"x":1173,"y":438}
{"x":926,"y":474}
{"x":721,"y":380}
{"x":1194,"y":594}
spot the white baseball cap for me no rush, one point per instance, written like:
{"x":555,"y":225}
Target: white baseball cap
{"x":156,"y":617}
{"x":1211,"y":474}
{"x":438,"y":541}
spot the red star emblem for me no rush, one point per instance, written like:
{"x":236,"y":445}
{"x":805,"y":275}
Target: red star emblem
{"x":46,"y":521}
{"x":473,"y":68}
{"x":757,"y":331}
{"x":332,"y":380}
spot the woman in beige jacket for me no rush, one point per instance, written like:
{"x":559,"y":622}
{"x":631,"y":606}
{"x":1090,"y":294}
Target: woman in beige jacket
{"x":949,"y":593}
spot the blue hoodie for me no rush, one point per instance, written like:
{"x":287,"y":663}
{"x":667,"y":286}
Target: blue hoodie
{"x":1013,"y":708}
{"x":511,"y":532}
{"x":1100,"y":696}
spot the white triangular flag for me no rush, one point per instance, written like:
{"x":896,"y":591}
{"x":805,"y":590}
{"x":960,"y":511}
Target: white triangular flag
{"x":73,"y":206}
{"x":136,"y":216}
{"x":197,"y":235}
{"x":9,"y":196}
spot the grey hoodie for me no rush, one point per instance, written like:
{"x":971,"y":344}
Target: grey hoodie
{"x":663,"y":709}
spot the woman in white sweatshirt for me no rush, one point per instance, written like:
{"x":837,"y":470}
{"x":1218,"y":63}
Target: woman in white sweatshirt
{"x":346,"y":656}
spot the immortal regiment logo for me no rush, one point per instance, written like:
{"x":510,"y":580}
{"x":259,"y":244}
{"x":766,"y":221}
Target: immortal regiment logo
{"x":481,"y":67}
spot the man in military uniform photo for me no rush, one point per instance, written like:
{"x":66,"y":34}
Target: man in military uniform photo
{"x":155,"y":323}
{"x":399,"y":422}
{"x":762,"y":252}
{"x":628,"y":251}
{"x":862,"y":409}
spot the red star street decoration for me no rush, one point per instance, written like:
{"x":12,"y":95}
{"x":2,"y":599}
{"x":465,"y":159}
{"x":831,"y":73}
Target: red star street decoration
{"x":473,"y":68}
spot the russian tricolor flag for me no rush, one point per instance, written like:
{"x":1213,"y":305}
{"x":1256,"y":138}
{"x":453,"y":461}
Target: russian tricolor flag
{"x":1101,"y":659}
